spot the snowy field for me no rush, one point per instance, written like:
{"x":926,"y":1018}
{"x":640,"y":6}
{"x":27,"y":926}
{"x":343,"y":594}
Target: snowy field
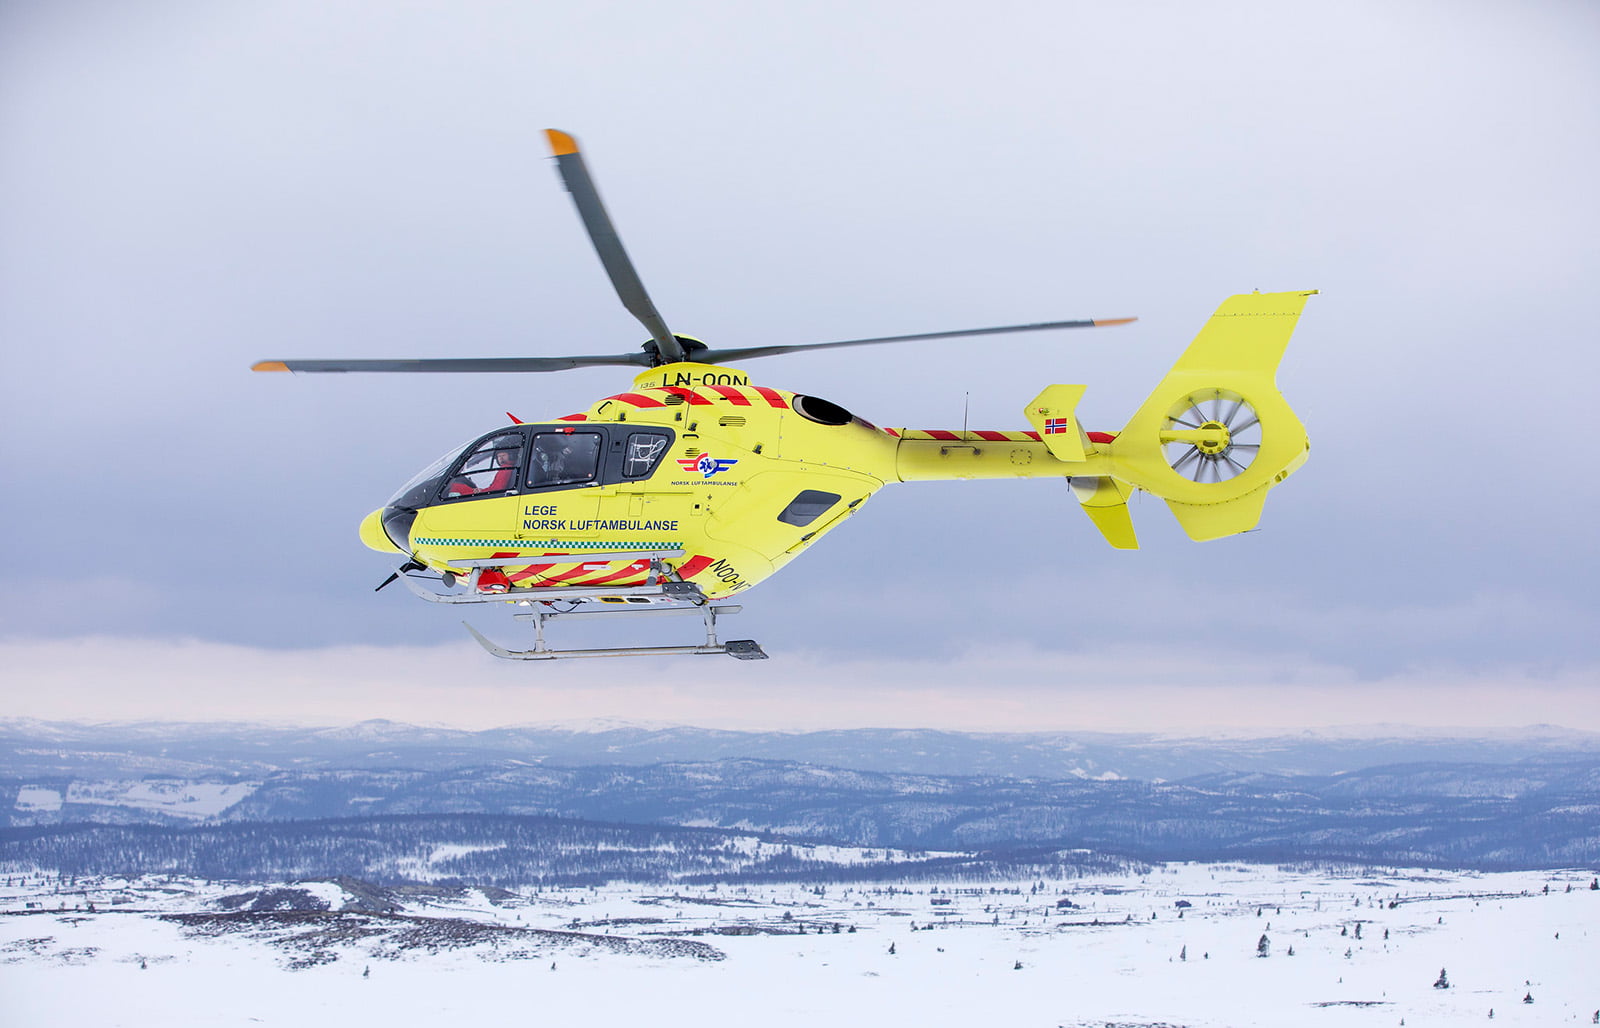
{"x":1367,"y":948}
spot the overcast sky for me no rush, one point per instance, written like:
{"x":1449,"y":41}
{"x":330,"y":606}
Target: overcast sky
{"x":188,"y":187}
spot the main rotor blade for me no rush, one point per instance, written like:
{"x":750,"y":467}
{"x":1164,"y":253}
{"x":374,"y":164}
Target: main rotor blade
{"x":607,"y":244}
{"x":459,"y":364}
{"x":747,"y":352}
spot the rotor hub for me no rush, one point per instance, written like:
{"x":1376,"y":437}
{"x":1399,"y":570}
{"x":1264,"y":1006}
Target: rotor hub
{"x":1215,"y":446}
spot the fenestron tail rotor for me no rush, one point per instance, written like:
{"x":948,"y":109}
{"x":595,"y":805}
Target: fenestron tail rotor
{"x":1211,"y":436}
{"x":664,"y":347}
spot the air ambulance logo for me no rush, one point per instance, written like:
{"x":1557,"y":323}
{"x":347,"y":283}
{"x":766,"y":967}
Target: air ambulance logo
{"x":706,"y":464}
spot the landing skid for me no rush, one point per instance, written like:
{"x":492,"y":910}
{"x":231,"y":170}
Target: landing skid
{"x":742,"y":649}
{"x":659,"y":597}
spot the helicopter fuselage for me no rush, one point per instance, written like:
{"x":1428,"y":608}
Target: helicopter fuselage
{"x":694,"y":468}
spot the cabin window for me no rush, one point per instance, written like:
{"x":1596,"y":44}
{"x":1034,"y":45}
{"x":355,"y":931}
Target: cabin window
{"x":643,"y":453}
{"x":563,"y":458}
{"x":490,"y":469}
{"x":810,"y":505}
{"x":823,"y":412}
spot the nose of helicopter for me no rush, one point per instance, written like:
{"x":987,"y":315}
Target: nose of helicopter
{"x":374,"y":532}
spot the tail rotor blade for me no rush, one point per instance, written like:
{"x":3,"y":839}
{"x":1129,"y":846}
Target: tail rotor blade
{"x":607,"y":244}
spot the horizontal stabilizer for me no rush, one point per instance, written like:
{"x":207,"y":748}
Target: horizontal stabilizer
{"x":1053,"y":415}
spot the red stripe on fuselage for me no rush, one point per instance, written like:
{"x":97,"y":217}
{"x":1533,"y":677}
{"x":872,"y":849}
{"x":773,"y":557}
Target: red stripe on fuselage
{"x":638,"y":399}
{"x":771,"y":396}
{"x":569,"y":577}
{"x":694,"y":398}
{"x":693,"y":566}
{"x":637,"y":568}
{"x":733,"y":394}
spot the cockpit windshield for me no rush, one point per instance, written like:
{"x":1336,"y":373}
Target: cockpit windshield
{"x":419,"y":489}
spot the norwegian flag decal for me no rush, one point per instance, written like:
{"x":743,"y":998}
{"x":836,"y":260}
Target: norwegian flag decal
{"x":1054,"y":425}
{"x":706,"y":464}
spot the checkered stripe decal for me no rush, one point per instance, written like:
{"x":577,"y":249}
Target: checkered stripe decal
{"x":628,"y":545}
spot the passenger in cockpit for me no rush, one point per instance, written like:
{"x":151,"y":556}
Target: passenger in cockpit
{"x":551,"y":456}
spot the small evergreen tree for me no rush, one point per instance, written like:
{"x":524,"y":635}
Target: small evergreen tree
{"x":1263,"y":947}
{"x":1443,"y":981}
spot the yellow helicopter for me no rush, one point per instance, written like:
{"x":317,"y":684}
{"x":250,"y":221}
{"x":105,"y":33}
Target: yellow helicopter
{"x":695,"y":484}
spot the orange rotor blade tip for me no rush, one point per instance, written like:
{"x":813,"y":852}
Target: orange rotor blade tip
{"x":561,"y":144}
{"x":1102,"y":322}
{"x":269,"y":366}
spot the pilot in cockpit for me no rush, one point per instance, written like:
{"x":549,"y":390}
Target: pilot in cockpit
{"x":497,"y":478}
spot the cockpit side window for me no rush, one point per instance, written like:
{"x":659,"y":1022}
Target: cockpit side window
{"x":643,"y":453}
{"x":489,"y":470}
{"x":564,"y":458}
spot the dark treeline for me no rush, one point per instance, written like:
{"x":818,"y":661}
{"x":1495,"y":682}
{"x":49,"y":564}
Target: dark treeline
{"x":490,"y":850}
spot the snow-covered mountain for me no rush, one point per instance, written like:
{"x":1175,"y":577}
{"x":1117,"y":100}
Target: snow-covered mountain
{"x":36,"y":747}
{"x":1527,"y":799}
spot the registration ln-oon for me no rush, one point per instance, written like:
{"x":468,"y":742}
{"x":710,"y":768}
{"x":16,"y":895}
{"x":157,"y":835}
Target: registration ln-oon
{"x":697,"y":482}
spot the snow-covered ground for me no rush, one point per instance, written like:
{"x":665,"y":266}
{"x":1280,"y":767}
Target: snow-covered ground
{"x":173,"y":952}
{"x":175,"y":797}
